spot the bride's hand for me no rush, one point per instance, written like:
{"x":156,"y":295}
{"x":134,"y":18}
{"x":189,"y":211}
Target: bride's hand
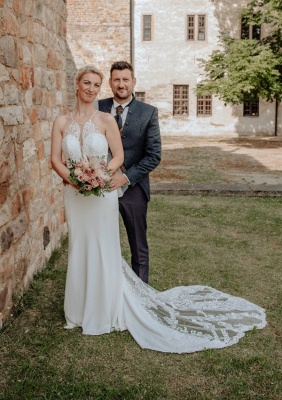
{"x":118,"y":180}
{"x":65,"y":183}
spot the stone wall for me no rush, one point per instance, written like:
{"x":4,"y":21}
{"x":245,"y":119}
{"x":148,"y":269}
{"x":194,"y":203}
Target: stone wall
{"x":32,"y":93}
{"x":98,"y":32}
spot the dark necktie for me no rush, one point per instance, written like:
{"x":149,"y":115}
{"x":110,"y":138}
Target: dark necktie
{"x":118,"y":118}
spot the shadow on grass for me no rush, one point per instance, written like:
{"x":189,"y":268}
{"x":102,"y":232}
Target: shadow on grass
{"x":227,"y":243}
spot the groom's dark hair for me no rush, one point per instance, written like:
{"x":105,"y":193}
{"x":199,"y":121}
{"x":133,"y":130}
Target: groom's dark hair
{"x":120,"y":65}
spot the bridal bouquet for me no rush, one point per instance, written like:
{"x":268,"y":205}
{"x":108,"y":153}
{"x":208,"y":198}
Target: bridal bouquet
{"x":91,"y":176}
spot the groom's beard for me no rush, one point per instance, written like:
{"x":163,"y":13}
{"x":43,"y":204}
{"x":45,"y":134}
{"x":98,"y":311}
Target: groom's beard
{"x":123,"y":96}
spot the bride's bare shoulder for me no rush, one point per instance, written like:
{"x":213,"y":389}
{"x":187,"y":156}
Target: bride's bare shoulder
{"x":104,"y":116}
{"x":62,"y":120}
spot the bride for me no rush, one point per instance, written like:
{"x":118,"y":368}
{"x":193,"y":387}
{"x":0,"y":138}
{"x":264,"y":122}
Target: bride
{"x":102,"y":292}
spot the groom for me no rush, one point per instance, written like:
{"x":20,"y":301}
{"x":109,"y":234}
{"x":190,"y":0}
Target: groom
{"x":140,"y":133}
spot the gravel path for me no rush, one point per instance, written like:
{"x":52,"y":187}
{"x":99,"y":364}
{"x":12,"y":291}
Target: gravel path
{"x":255,"y":164}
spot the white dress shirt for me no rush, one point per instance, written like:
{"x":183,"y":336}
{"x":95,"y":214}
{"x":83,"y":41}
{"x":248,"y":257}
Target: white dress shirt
{"x":123,"y":117}
{"x":125,"y":109}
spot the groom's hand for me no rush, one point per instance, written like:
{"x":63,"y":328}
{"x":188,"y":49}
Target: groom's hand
{"x":118,"y":180}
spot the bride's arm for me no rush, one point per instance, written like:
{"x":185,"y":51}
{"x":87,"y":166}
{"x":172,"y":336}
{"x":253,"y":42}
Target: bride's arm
{"x":115,"y":144}
{"x":56,"y":150}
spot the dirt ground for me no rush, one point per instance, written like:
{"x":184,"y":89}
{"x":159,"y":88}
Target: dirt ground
{"x":221,"y":160}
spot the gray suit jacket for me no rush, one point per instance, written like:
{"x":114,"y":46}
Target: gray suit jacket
{"x":141,"y":141}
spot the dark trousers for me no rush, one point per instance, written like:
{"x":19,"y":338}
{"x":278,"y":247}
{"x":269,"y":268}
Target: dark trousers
{"x":133,"y":207}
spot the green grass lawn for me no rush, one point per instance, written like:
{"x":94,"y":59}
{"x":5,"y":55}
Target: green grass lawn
{"x":231,"y":243}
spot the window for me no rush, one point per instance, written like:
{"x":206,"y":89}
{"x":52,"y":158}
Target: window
{"x":147,"y":28}
{"x":190,"y":27}
{"x":196,"y":27}
{"x":250,"y":31}
{"x":251,"y":109}
{"x":140,"y":96}
{"x":180,"y":99}
{"x":256,"y":32}
{"x":201,"y":27}
{"x":204,"y":105}
{"x":245,"y":31}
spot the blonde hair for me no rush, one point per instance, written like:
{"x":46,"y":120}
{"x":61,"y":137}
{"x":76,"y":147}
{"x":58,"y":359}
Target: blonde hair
{"x":86,"y":70}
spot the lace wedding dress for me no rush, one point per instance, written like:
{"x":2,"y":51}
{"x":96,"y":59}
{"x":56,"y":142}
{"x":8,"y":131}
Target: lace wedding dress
{"x":103,"y":293}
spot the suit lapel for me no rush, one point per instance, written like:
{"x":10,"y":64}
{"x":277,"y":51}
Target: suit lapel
{"x":106,"y":106}
{"x":130,"y":117}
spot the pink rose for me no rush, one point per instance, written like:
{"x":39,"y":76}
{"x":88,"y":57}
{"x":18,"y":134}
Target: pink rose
{"x":101,"y":182}
{"x":77,"y":171}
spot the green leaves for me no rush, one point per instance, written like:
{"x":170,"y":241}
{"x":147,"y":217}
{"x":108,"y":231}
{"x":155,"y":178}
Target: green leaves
{"x":245,"y":70}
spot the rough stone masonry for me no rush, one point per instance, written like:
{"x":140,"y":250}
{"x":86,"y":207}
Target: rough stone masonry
{"x":33,"y":54}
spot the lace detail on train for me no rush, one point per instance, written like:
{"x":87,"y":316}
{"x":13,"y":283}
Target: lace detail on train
{"x":192,"y":318}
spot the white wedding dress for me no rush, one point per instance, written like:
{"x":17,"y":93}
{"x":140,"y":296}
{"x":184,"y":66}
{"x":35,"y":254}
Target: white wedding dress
{"x":103,"y":293}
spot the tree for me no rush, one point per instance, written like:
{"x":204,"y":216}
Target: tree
{"x":245,"y":70}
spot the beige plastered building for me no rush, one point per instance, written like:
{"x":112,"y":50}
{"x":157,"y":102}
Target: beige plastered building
{"x":164,"y":40}
{"x":169,"y":38}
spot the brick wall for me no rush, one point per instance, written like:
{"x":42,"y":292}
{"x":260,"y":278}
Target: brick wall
{"x":98,"y":32}
{"x":33,"y":55}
